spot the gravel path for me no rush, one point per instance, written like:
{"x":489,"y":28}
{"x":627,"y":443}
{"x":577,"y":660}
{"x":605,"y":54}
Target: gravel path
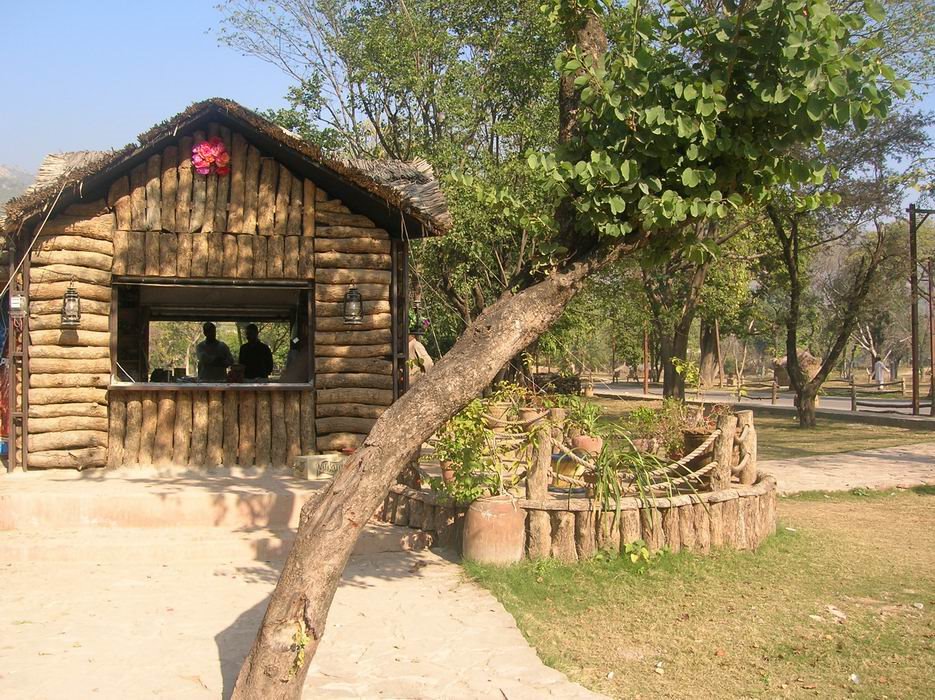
{"x":889,"y":467}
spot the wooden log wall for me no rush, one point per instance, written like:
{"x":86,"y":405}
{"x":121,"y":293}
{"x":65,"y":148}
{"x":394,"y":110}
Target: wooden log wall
{"x":208,"y":428}
{"x":353,"y":364}
{"x":162,"y":219}
{"x":70,"y":369}
{"x":173,"y":222}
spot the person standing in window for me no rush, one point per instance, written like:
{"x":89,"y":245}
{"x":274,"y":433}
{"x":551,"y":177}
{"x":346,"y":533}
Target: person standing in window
{"x":255,"y":355}
{"x":214,"y":357}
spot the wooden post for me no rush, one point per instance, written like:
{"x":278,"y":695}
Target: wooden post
{"x":539,"y":544}
{"x":748,"y":446}
{"x":853,"y":394}
{"x":231,"y":441}
{"x":134,"y":426}
{"x":181,"y":441}
{"x":775,"y":394}
{"x":262,"y":429}
{"x":723,"y":452}
{"x":645,"y":362}
{"x":277,"y":418}
{"x":247,"y":441}
{"x":117,"y":430}
{"x":147,"y":428}
{"x":199,"y":442}
{"x":215,"y":447}
{"x":165,"y":428}
{"x":293,"y":410}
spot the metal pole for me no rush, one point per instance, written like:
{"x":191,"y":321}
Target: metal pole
{"x":914,"y":312}
{"x":931,"y":343}
{"x":645,"y":361}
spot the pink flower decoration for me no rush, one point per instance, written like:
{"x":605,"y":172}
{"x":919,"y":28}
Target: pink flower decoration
{"x":211,"y":156}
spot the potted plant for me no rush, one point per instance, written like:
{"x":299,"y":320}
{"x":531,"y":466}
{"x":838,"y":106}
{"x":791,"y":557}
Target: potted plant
{"x":462,"y":440}
{"x":584,"y":420}
{"x":504,"y":403}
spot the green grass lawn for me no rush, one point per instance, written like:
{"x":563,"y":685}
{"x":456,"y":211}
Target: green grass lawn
{"x":837,"y":605}
{"x":779,"y":437}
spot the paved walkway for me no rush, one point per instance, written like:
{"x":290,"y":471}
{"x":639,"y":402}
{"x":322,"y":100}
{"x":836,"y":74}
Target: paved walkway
{"x":889,"y":467}
{"x":176,"y":624}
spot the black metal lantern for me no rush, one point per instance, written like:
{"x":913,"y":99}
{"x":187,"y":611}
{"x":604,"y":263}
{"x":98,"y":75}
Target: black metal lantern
{"x":71,"y":308}
{"x":353,"y":307}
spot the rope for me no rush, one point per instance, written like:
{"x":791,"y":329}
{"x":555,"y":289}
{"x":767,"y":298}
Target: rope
{"x":517,"y":423}
{"x":739,"y":467}
{"x":680,"y":464}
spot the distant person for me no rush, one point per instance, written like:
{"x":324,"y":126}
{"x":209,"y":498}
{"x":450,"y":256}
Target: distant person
{"x":879,"y":373}
{"x":255,"y":355}
{"x":296,"y":369}
{"x":214,"y":357}
{"x":420,"y":361}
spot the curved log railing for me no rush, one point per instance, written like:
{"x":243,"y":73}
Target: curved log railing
{"x":736,"y":509}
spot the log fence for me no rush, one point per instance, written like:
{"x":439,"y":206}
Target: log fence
{"x":735,"y":507}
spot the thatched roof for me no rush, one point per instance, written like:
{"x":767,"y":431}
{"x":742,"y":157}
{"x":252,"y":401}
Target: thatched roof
{"x":379,"y":186}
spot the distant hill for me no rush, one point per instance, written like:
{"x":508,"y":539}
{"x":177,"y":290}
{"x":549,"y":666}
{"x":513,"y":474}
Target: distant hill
{"x":12,"y":183}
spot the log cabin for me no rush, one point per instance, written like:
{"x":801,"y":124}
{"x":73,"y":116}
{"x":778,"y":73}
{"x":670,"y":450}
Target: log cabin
{"x":276,"y":229}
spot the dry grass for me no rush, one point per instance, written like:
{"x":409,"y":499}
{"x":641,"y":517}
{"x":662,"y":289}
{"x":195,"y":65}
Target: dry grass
{"x":738,"y":625}
{"x":779,"y":437}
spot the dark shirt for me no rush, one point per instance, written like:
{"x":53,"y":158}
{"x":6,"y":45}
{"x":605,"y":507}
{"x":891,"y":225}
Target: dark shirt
{"x":257,"y":360}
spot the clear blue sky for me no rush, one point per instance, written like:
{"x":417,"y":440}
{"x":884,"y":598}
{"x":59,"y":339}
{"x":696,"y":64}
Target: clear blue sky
{"x":93,"y":74}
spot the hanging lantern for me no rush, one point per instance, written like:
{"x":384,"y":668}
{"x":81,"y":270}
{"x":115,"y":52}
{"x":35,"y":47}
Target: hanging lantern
{"x":353,"y":307}
{"x":71,"y":308}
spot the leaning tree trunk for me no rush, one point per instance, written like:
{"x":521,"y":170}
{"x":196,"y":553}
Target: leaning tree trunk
{"x":332,"y":521}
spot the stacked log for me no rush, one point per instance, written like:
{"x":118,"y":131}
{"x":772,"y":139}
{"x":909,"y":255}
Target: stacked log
{"x":350,"y":249}
{"x":70,"y":368}
{"x":166,"y":213}
{"x":183,"y":428}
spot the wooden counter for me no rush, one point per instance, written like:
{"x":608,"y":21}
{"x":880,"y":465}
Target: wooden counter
{"x":210,"y":386}
{"x":210,"y":424}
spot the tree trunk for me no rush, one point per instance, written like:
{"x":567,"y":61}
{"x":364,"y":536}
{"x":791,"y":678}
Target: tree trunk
{"x":805,"y":408}
{"x":708,"y":363}
{"x":331,"y":522}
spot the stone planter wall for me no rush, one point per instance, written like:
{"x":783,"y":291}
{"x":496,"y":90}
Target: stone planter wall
{"x":570,"y":529}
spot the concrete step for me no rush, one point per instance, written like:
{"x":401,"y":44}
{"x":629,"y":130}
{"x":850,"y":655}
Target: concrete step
{"x":232,"y":499}
{"x":172,"y":544}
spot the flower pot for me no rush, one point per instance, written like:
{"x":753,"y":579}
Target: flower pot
{"x":588,"y":443}
{"x":448,"y":472}
{"x":693,"y":439}
{"x":497,"y":415}
{"x":563,"y":465}
{"x":494,"y":531}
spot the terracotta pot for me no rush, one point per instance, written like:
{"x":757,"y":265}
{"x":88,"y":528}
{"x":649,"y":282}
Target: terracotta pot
{"x":497,"y":413}
{"x":588,"y":443}
{"x":693,"y":439}
{"x":494,"y":531}
{"x":448,"y":472}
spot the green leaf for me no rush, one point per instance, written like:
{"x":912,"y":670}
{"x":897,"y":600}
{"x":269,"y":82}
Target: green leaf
{"x":875,"y":10}
{"x":815,"y":107}
{"x":690,"y":178}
